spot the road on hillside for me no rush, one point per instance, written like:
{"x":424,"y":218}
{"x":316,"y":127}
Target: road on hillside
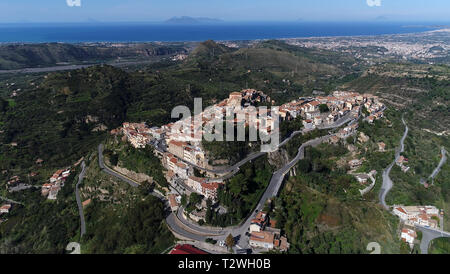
{"x":387,"y":182}
{"x":441,"y":163}
{"x":77,"y":195}
{"x":428,"y":235}
{"x":109,"y":171}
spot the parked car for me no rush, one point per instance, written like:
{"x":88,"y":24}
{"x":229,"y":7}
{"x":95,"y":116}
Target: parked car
{"x":243,"y":251}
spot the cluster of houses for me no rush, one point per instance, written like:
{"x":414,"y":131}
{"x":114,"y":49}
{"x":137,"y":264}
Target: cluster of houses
{"x":401,"y":162}
{"x":56,"y":182}
{"x":179,"y":57}
{"x":183,"y":147}
{"x":411,"y":216}
{"x":418,"y":215}
{"x":339,"y":105}
{"x":263,"y":234}
{"x":138,"y":134}
{"x":408,"y":235}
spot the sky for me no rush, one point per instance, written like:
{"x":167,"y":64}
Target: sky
{"x":13,"y":11}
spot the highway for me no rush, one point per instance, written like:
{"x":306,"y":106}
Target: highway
{"x":77,"y":195}
{"x":387,"y":182}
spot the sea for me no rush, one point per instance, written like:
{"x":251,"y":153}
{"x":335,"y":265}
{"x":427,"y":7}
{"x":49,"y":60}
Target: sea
{"x":164,"y":32}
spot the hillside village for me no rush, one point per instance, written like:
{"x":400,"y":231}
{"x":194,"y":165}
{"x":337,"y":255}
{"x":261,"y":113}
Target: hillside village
{"x":182,"y":154}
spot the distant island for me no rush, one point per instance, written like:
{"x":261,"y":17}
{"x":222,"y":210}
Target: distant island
{"x":192,"y":20}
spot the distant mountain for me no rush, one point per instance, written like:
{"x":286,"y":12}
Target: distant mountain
{"x":191,"y":20}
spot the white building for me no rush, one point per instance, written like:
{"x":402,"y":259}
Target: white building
{"x":408,"y":236}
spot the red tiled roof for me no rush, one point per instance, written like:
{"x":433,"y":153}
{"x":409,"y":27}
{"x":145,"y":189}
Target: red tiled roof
{"x":401,"y":210}
{"x":187,"y":249}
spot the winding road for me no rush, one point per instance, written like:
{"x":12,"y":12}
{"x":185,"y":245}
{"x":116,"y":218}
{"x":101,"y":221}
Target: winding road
{"x":428,"y":233}
{"x":387,"y":182}
{"x":441,"y":163}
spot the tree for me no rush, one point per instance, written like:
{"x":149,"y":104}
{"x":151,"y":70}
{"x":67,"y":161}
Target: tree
{"x":146,"y":188}
{"x":229,"y":241}
{"x":184,"y":200}
{"x":323,"y":108}
{"x":3,"y":105}
{"x":114,"y":159}
{"x":195,"y":198}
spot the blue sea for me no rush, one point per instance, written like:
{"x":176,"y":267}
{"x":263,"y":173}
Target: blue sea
{"x":150,"y":32}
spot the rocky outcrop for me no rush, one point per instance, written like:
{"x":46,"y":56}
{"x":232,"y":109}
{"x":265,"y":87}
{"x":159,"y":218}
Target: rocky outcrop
{"x":138,"y":177}
{"x":278,"y":158}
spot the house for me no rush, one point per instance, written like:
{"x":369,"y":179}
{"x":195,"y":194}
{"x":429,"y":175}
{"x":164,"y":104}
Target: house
{"x":363,"y":138}
{"x":362,"y":178}
{"x":356,"y":163}
{"x":53,"y":192}
{"x":86,"y":203}
{"x":308,"y":124}
{"x":401,"y":160}
{"x":259,"y":223}
{"x":209,"y":190}
{"x":318,"y":120}
{"x":187,"y":249}
{"x":5,"y":208}
{"x":262,"y":239}
{"x":173,"y":202}
{"x":399,"y":211}
{"x":46,"y":189}
{"x":195,"y":183}
{"x":177,"y":148}
{"x":408,"y":236}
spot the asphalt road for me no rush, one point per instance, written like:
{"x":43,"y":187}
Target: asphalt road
{"x":441,"y":163}
{"x":107,"y":170}
{"x":77,"y":195}
{"x":387,"y":182}
{"x":428,"y":235}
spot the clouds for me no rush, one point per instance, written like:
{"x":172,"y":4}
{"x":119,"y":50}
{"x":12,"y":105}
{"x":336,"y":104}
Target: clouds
{"x":73,"y":3}
{"x":374,"y":3}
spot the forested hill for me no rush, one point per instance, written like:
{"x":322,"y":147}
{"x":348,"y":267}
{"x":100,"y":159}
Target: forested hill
{"x":60,"y":116}
{"x":17,"y":56}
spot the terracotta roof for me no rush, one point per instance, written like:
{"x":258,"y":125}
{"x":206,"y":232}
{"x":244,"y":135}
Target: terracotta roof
{"x":187,"y":249}
{"x":263,"y":236}
{"x":87,"y":202}
{"x":401,"y":210}
{"x":6,"y":206}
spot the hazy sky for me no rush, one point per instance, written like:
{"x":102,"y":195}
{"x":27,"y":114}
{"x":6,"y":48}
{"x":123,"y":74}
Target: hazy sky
{"x":230,"y":10}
